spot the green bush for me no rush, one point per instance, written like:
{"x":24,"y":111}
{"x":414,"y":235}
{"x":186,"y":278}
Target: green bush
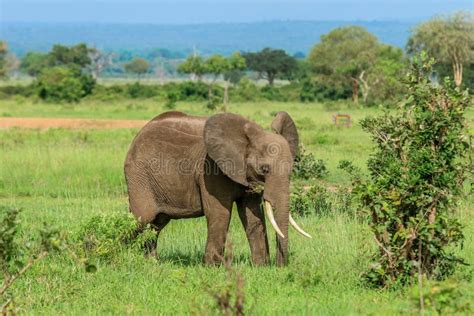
{"x":18,"y":90}
{"x":196,"y":91}
{"x":171,"y":98}
{"x":307,"y":92}
{"x":103,"y":237}
{"x":321,"y":90}
{"x":140,"y":91}
{"x":441,"y":298}
{"x":307,"y":167}
{"x":245,"y":90}
{"x":63,"y":83}
{"x":17,"y":257}
{"x":416,"y":176}
{"x":213,"y":102}
{"x":272,"y":93}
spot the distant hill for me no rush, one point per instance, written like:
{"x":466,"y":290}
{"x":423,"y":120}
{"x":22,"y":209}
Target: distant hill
{"x":224,"y":38}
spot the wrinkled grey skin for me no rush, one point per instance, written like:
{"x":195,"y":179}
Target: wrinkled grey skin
{"x":181,"y":166}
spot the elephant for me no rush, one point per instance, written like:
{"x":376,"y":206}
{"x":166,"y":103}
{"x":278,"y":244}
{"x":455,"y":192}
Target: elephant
{"x":183,"y":166}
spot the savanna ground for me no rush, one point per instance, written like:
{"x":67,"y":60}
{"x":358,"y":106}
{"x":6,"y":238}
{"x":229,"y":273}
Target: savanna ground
{"x":64,"y":177}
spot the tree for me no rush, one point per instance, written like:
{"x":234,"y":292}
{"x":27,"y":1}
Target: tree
{"x":138,"y":66}
{"x":75,"y":55}
{"x":345,"y":53}
{"x":193,"y":65}
{"x":235,"y":64}
{"x":383,"y":79}
{"x":449,"y":39}
{"x":79,"y":56}
{"x":99,"y":62}
{"x":34,"y":62}
{"x":8,"y":61}
{"x":218,"y":65}
{"x":3,"y":58}
{"x":271,"y":64}
{"x":443,"y":70}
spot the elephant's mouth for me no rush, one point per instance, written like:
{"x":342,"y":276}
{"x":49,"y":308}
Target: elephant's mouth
{"x":271,"y":218}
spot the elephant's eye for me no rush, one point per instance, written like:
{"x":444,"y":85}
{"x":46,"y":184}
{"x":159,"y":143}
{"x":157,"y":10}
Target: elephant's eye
{"x":264,"y":169}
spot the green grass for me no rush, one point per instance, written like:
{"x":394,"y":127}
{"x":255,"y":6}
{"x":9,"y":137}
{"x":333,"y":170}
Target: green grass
{"x":64,"y":177}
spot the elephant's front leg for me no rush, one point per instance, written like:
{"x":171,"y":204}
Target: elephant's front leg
{"x":218,"y":218}
{"x":253,"y":219}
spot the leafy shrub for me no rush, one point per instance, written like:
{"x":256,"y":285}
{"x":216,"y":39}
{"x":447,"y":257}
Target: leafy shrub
{"x":246,"y":90}
{"x":290,"y":91}
{"x":441,"y":298}
{"x":307,"y":167}
{"x":230,"y":297}
{"x":196,"y":91}
{"x":17,"y":258}
{"x":416,"y":176}
{"x":17,"y":90}
{"x":307,"y":93}
{"x":63,"y":83}
{"x":9,"y":248}
{"x":322,"y":90}
{"x":140,"y":91}
{"x":272,"y":93}
{"x":213,"y":102}
{"x":103,"y":237}
{"x":171,"y":98}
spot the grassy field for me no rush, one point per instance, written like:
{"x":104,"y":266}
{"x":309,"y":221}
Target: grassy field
{"x":64,"y":177}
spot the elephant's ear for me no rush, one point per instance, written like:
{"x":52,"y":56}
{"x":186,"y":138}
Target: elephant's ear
{"x":226,"y":143}
{"x":283,"y":124}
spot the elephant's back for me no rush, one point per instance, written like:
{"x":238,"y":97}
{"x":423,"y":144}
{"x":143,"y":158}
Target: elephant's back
{"x":170,"y":135}
{"x":174,"y":122}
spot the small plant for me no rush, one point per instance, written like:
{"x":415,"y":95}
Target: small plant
{"x":441,"y":298}
{"x":230,"y":300}
{"x":103,"y":237}
{"x":16,"y":259}
{"x":213,"y":102}
{"x":307,"y":167}
{"x":245,"y":90}
{"x":416,"y":176}
{"x":171,"y":99}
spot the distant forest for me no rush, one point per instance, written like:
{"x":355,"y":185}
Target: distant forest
{"x":177,"y":41}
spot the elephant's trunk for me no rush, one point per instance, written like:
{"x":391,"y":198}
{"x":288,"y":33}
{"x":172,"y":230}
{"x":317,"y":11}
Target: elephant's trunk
{"x":277,"y":196}
{"x":282,"y":219}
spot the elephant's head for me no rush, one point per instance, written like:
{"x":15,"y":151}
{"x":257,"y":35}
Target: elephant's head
{"x":251,"y":156}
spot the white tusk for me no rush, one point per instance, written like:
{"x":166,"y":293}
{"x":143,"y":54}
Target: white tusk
{"x":271,"y":218}
{"x":298,"y":229}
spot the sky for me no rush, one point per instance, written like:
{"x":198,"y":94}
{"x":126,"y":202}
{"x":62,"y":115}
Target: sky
{"x":216,"y":11}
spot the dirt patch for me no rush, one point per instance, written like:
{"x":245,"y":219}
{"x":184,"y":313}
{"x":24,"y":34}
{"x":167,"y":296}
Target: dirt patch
{"x":70,"y":123}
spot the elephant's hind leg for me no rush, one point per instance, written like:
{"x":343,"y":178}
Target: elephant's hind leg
{"x":145,"y":209}
{"x":160,"y":221}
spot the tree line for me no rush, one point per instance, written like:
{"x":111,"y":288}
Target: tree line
{"x":348,"y":62}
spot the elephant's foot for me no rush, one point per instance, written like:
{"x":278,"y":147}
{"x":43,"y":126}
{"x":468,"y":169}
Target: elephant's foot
{"x":260,"y":261}
{"x":213,"y":259}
